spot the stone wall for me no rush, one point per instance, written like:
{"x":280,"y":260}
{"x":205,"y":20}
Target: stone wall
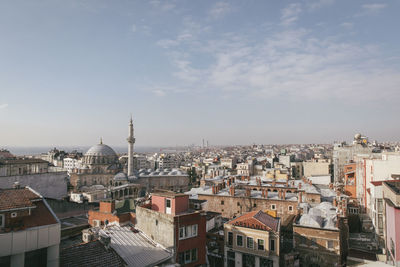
{"x":49,"y":185}
{"x":312,"y":243}
{"x":64,"y":208}
{"x":230,"y":206}
{"x":156,"y":225}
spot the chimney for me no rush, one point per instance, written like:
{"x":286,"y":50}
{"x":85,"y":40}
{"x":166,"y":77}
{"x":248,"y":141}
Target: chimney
{"x":283,"y":194}
{"x":300,"y":184}
{"x":300,"y":194}
{"x":330,"y":186}
{"x":280,"y":194}
{"x":263,"y":193}
{"x":273,"y":183}
{"x":232,"y":190}
{"x":213,"y":189}
{"x":107,"y":206}
{"x":17,"y":185}
{"x":105,"y":240}
{"x":248,"y":192}
{"x":287,"y":183}
{"x":335,"y":202}
{"x":266,"y":193}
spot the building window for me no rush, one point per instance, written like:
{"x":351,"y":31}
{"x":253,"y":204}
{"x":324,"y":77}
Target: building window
{"x":230,"y":238}
{"x":188,"y":231}
{"x":222,"y":202}
{"x":168,"y":203}
{"x":156,"y":222}
{"x":250,"y":242}
{"x":187,"y":256}
{"x":238,"y":203}
{"x":1,"y":220}
{"x":273,"y":207}
{"x":272,"y":244}
{"x":330,"y":244}
{"x":290,"y":208}
{"x":239,"y":240}
{"x":260,"y":243}
{"x":255,"y":205}
{"x":313,"y":242}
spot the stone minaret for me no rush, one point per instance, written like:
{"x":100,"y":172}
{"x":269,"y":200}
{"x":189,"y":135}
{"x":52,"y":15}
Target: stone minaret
{"x":131,"y":142}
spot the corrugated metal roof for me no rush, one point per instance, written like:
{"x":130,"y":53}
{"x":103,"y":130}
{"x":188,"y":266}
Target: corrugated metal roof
{"x":135,"y":248}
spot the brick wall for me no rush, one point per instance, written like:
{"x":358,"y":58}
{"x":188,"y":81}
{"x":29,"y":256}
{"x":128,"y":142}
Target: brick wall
{"x":230,"y":206}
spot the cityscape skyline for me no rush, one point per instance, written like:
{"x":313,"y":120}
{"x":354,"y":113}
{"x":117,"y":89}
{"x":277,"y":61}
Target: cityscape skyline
{"x":229,"y":72}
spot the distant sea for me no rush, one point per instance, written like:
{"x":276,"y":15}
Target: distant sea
{"x":27,"y":151}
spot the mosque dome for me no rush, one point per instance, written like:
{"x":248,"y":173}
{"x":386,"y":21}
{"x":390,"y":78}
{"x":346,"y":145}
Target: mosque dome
{"x":120,"y":177}
{"x":100,"y":150}
{"x":100,"y":154}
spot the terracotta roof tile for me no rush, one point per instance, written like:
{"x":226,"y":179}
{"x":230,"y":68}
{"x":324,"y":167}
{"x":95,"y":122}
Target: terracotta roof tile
{"x":16,"y":198}
{"x":257,"y":220}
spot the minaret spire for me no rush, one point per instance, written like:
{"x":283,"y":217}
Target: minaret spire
{"x":131,"y":142}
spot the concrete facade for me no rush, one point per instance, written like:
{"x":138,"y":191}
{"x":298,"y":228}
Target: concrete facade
{"x":48,"y":184}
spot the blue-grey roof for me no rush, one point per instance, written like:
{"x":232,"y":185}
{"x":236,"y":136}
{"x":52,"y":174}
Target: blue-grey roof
{"x":100,"y":150}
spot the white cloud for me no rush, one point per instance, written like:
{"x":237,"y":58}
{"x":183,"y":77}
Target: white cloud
{"x":291,"y":64}
{"x":290,"y":14}
{"x":373,"y":7}
{"x":370,"y":9}
{"x":219,"y":10}
{"x":167,"y":43}
{"x":159,"y":93}
{"x":313,"y":5}
{"x":3,"y":106}
{"x":163,"y":5}
{"x":347,"y":25}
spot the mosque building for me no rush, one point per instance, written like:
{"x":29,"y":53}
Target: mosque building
{"x":102,"y":169}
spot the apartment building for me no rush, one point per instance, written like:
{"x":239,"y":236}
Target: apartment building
{"x":252,"y":239}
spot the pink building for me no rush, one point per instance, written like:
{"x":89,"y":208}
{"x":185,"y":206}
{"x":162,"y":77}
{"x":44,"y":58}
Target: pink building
{"x":168,"y":220}
{"x":391,"y":195}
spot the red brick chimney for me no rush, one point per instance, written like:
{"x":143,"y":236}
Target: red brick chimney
{"x":280,"y":194}
{"x":330,"y":186}
{"x":262,"y":193}
{"x":107,"y":206}
{"x":248,"y":192}
{"x":300,"y":194}
{"x":335,"y":202}
{"x":232,"y":190}
{"x":266,"y":193}
{"x":283,"y":194}
{"x":213,"y":189}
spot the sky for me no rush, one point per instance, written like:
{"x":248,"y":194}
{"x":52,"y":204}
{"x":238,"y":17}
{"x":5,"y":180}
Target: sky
{"x":233,"y":72}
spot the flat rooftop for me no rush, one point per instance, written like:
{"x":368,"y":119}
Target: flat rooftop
{"x":134,"y":247}
{"x":394,"y":186}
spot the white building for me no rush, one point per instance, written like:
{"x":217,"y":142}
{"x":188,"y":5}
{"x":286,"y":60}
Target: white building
{"x":70,"y":164}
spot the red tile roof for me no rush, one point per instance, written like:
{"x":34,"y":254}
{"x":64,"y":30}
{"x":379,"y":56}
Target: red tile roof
{"x":17,"y":198}
{"x":257,"y":220}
